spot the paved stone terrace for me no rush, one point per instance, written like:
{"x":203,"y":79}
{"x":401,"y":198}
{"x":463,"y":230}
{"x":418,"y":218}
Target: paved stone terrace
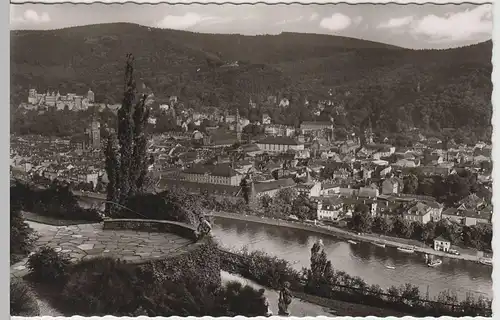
{"x":90,"y":240}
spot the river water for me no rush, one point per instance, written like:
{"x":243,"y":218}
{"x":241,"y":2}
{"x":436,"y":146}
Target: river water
{"x":363,"y":259}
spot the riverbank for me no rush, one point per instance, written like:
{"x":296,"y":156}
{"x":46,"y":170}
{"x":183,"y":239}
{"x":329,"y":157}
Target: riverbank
{"x":341,"y":233}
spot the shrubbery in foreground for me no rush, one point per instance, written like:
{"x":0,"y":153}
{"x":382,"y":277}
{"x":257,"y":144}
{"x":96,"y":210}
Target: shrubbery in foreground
{"x":186,"y":285}
{"x":49,"y":266}
{"x":57,"y":201}
{"x":22,"y":300}
{"x":21,"y":236}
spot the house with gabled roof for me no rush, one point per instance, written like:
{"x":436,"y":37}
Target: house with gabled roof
{"x":392,"y":185}
{"x":418,"y":212}
{"x":471,"y":202}
{"x":330,"y":208}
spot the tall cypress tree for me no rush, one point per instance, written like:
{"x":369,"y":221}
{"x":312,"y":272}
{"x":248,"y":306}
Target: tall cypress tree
{"x":112,"y":166}
{"x":127,"y":166}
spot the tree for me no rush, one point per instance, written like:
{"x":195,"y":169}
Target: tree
{"x":303,"y":208}
{"x":417,"y":230}
{"x":411,"y":184}
{"x":362,"y":219}
{"x":429,"y":232}
{"x":410,"y":294}
{"x":321,"y":273}
{"x":127,"y":167}
{"x":402,"y":227}
{"x":382,"y":225}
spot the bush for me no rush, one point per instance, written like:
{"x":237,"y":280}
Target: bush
{"x":173,"y":205}
{"x":56,"y":202}
{"x":48,"y":266}
{"x":239,"y":300}
{"x":23,"y":302}
{"x":21,"y":236}
{"x":266,"y":270}
{"x":101,"y":286}
{"x":186,"y":285}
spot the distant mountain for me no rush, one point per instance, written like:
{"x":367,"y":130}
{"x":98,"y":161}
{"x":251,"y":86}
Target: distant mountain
{"x":424,"y":88}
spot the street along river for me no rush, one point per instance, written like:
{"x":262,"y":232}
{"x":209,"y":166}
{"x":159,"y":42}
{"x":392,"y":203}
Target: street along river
{"x":362,"y":259}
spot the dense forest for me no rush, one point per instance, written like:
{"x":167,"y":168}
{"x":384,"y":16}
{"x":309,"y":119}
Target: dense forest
{"x":428,"y":89}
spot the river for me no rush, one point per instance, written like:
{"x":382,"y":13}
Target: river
{"x":363,"y":259}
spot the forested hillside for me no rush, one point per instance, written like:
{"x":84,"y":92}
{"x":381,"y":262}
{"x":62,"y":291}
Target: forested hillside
{"x":396,"y":88}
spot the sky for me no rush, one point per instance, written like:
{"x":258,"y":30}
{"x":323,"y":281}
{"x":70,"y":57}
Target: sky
{"x":409,"y":26}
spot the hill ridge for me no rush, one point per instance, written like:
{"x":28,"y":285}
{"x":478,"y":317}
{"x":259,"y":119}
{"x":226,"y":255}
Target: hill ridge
{"x":423,"y":88}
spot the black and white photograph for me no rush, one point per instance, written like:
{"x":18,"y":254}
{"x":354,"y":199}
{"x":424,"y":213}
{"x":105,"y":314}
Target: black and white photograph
{"x":290,"y":160}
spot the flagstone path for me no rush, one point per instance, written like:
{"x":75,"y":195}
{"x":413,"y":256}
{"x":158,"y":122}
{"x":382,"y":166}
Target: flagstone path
{"x":87,"y":241}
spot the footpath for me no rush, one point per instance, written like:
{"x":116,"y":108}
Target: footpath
{"x":298,"y":308}
{"x":341,"y":233}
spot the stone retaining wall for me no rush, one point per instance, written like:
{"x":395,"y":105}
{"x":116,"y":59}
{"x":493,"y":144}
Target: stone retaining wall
{"x":163,"y":226}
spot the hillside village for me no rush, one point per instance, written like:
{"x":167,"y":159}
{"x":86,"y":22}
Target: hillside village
{"x":214,"y":151}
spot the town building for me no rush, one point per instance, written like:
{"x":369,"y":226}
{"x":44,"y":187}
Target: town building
{"x":312,"y":126}
{"x":221,"y":173}
{"x":441,"y":244}
{"x":419,"y":212}
{"x":392,"y":186}
{"x":279,"y":144}
{"x":330,"y":209}
{"x":309,"y":189}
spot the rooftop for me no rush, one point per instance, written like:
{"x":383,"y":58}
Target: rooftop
{"x":279,"y":141}
{"x":218,"y":170}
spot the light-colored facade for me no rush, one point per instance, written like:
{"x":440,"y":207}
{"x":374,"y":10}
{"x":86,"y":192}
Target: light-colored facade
{"x":329,"y":210}
{"x":219,"y":174}
{"x":441,"y":244}
{"x":309,"y":189}
{"x":279,"y":144}
{"x":420,"y":212}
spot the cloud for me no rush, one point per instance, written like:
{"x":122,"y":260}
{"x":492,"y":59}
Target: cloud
{"x":314,"y":16}
{"x":358,"y":20}
{"x":458,"y":26}
{"x":396,"y":22}
{"x":31,"y":17}
{"x":336,"y":22}
{"x":188,"y":20}
{"x":290,"y":21}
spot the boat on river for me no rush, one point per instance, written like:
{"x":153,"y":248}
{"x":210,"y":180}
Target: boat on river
{"x":390,"y":267}
{"x":407,"y":250}
{"x":352,"y":242}
{"x":379,"y":244}
{"x":431,"y":262}
{"x":486,"y":262}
